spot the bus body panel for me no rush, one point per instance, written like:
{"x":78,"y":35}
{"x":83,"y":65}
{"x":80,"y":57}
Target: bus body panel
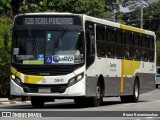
{"x":91,"y":84}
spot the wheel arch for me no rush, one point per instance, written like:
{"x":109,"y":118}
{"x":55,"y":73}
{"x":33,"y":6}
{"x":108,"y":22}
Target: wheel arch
{"x":102,"y":83}
{"x":137,"y":80}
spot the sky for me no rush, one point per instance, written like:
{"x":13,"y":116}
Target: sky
{"x":123,"y":9}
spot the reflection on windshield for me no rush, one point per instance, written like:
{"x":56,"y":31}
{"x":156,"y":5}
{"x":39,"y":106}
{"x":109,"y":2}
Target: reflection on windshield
{"x":47,"y":47}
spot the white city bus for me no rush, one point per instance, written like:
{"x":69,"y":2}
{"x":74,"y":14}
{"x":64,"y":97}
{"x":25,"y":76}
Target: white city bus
{"x":75,"y":56}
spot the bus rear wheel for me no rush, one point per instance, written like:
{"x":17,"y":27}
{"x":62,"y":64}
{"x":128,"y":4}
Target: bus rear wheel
{"x":132,"y":98}
{"x":37,"y":102}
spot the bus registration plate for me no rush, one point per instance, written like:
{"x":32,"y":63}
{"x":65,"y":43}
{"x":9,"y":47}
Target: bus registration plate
{"x":44,"y":90}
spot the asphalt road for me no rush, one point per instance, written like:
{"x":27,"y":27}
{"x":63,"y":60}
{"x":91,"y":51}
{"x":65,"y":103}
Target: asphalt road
{"x":149,"y":103}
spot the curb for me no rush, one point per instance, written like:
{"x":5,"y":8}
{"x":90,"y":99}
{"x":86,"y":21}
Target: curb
{"x":13,"y":102}
{"x":5,"y":101}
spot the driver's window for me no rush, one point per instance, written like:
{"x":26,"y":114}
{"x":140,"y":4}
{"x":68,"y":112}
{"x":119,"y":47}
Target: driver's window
{"x":90,"y":43}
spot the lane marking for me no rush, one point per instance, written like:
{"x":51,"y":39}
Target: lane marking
{"x":149,"y":117}
{"x":130,"y":104}
{"x":5,"y":103}
{"x":157,"y":101}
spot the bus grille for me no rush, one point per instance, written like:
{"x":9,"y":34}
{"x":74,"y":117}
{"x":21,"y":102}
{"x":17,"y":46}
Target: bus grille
{"x":48,"y":72}
{"x":28,"y":88}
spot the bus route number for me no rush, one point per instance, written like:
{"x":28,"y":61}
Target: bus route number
{"x":58,"y":80}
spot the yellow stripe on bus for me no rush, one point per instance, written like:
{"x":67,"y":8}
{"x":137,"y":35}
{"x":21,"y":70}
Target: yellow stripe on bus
{"x":27,"y":78}
{"x":122,"y":78}
{"x":13,"y":70}
{"x":125,"y":27}
{"x":32,"y":79}
{"x":128,"y":67}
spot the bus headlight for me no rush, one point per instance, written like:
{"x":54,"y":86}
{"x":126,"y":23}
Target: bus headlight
{"x":13,"y":77}
{"x":16,"y":79}
{"x":75,"y":79}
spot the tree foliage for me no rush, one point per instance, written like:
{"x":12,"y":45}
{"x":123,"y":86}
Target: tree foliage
{"x":133,"y":4}
{"x":4,"y":4}
{"x":5,"y":23}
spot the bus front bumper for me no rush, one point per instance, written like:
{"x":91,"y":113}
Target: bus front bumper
{"x":78,"y":89}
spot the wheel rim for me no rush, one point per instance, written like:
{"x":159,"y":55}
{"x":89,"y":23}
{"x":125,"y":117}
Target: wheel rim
{"x":98,"y":92}
{"x":136,"y":91}
{"x":98,"y":96}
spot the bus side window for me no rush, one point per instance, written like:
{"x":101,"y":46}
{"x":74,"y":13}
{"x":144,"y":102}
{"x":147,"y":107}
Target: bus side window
{"x":90,"y":52}
{"x":111,"y":39}
{"x":119,"y":46}
{"x":144,"y":48}
{"x":137,"y":48}
{"x":128,"y":45}
{"x":90,"y":44}
{"x":151,"y":49}
{"x":100,"y":40}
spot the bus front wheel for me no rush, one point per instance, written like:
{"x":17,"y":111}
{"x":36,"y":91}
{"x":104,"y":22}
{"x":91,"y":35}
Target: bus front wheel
{"x":98,"y":99}
{"x":37,"y":102}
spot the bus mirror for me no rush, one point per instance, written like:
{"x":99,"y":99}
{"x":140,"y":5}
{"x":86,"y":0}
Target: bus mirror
{"x":6,"y":40}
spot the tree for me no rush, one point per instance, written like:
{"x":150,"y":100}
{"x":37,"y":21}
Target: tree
{"x":90,"y":7}
{"x":133,"y":4}
{"x":4,"y":4}
{"x":5,"y":23}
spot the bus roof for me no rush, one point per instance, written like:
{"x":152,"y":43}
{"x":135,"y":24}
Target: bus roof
{"x":118,"y":25}
{"x":97,"y":20}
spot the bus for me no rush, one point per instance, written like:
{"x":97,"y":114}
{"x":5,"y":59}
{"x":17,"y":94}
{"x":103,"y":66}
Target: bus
{"x":76,"y":56}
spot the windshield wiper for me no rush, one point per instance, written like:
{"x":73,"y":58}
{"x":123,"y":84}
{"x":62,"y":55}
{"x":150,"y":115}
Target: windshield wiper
{"x":33,"y":42}
{"x":60,"y":38}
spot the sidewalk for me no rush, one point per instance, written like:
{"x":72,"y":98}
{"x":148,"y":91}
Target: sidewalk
{"x":4,"y":101}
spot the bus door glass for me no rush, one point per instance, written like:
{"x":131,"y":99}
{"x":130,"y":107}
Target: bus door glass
{"x":90,"y":43}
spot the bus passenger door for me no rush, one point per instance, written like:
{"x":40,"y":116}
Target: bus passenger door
{"x":101,"y":55}
{"x":90,"y":53}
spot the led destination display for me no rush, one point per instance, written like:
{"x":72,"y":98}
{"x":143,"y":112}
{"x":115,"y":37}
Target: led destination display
{"x":47,"y":20}
{"x":50,"y":20}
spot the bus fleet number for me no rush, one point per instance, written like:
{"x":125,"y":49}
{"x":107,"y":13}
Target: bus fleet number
{"x":58,"y":80}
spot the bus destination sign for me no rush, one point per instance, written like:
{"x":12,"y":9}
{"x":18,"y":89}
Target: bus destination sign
{"x":48,"y":21}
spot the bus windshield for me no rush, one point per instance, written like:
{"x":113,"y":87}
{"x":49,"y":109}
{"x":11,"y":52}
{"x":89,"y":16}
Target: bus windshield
{"x":48,"y":47}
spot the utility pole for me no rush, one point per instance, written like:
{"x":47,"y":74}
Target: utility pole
{"x":114,"y":15}
{"x":142,"y":16}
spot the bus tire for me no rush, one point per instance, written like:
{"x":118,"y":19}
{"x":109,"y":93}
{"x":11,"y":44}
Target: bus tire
{"x":37,"y":102}
{"x":156,"y":85}
{"x":132,"y":98}
{"x":80,"y":102}
{"x":98,"y":99}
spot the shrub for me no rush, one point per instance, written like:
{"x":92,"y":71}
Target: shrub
{"x":5,"y":23}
